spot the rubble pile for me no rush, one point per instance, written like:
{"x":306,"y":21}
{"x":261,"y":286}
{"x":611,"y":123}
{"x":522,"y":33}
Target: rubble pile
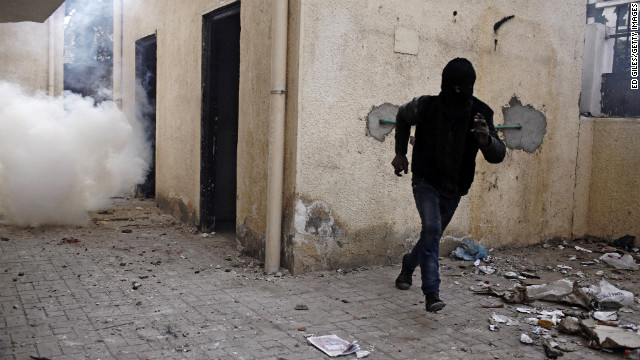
{"x":582,"y":296}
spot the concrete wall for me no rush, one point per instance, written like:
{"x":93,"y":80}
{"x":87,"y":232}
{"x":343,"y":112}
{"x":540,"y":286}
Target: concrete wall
{"x":350,"y":209}
{"x":178,"y":26}
{"x":253,"y":124}
{"x":25,"y":56}
{"x":615,"y":179}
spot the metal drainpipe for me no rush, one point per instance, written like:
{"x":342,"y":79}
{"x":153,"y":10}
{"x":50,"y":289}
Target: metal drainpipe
{"x":276,"y":135}
{"x":52,"y":54}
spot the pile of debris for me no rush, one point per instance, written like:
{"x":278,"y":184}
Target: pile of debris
{"x":594,"y":309}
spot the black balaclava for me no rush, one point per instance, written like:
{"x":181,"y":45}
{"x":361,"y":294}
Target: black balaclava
{"x":458,"y":72}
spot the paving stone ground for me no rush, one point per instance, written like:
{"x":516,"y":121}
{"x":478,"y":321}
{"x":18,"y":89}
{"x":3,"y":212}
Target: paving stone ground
{"x":136,"y":284}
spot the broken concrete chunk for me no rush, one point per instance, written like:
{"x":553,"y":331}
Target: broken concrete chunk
{"x":605,"y":315}
{"x":569,"y":325}
{"x":610,"y":337}
{"x":526,"y":339}
{"x":549,"y":350}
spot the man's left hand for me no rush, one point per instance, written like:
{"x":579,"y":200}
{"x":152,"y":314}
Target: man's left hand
{"x":480,"y":130}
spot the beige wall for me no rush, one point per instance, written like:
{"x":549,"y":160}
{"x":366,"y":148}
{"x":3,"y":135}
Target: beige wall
{"x":178,"y":26}
{"x":348,"y":65}
{"x":253,"y":124}
{"x":614,"y":199}
{"x":24,"y":58}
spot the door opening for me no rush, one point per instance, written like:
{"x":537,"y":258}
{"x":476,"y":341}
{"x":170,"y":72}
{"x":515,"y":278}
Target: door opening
{"x":219,"y":132}
{"x":146,"y":105}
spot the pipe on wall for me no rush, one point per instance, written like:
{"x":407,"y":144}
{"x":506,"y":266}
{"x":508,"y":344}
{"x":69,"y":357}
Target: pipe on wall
{"x":52,"y":53}
{"x":279,"y":23}
{"x":118,"y":11}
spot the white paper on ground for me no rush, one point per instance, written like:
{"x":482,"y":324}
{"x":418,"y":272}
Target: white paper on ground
{"x":333,"y":346}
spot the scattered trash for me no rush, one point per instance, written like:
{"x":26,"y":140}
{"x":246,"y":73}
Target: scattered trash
{"x":539,"y":330}
{"x":626,"y":242}
{"x":493,"y":327}
{"x":547,"y":324}
{"x":569,"y":325}
{"x":516,"y":295}
{"x":573,"y":257}
{"x":333,"y":346}
{"x":302,"y":307}
{"x":576,"y":314}
{"x":609,"y":296}
{"x":531,"y":321}
{"x":565,"y":267}
{"x":526,"y":339}
{"x":603,"y":336}
{"x":599,"y":273}
{"x":469,"y":251}
{"x":510,"y":275}
{"x":529,"y":275}
{"x":633,"y":327}
{"x":361,"y":354}
{"x":126,"y":231}
{"x":136,"y":285}
{"x":617,"y":261}
{"x":583,"y":249}
{"x":492,"y":306}
{"x":487,"y":269}
{"x":69,"y":241}
{"x":560,"y":291}
{"x":524,"y":310}
{"x":632,"y":354}
{"x":605,"y":315}
{"x":302,"y":329}
{"x":501,"y":319}
{"x":4,"y":238}
{"x":549,"y":351}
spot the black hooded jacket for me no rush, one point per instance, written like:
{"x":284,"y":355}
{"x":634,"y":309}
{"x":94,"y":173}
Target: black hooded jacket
{"x":445,"y":149}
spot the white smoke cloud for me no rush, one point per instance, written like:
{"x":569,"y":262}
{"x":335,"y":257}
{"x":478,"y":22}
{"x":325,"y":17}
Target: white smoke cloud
{"x":60,"y":157}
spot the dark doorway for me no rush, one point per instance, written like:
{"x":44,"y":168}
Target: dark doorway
{"x":220,"y":86}
{"x":146,"y":104}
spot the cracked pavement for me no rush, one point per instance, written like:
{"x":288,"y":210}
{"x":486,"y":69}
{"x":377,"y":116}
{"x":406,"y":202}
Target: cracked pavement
{"x":135,"y":283}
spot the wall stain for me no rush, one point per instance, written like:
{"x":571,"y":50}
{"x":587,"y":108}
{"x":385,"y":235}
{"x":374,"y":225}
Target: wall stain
{"x":176,"y":207}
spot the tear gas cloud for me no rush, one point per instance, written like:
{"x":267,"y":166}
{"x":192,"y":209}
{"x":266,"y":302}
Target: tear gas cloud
{"x":63,"y":156}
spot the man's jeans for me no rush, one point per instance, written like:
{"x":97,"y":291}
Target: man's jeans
{"x":436,"y":212}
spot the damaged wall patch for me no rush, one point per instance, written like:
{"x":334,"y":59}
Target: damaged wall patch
{"x":314,"y":219}
{"x":534,"y":126}
{"x":385,"y":111}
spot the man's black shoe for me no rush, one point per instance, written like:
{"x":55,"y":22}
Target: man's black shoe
{"x":433,"y":302}
{"x":404,"y":280}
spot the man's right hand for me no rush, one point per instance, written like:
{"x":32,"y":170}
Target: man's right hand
{"x":400,"y":163}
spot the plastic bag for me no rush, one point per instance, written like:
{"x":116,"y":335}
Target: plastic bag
{"x":470,"y":251}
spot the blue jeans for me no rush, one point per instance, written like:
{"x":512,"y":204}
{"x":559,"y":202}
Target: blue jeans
{"x":435,"y":212}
